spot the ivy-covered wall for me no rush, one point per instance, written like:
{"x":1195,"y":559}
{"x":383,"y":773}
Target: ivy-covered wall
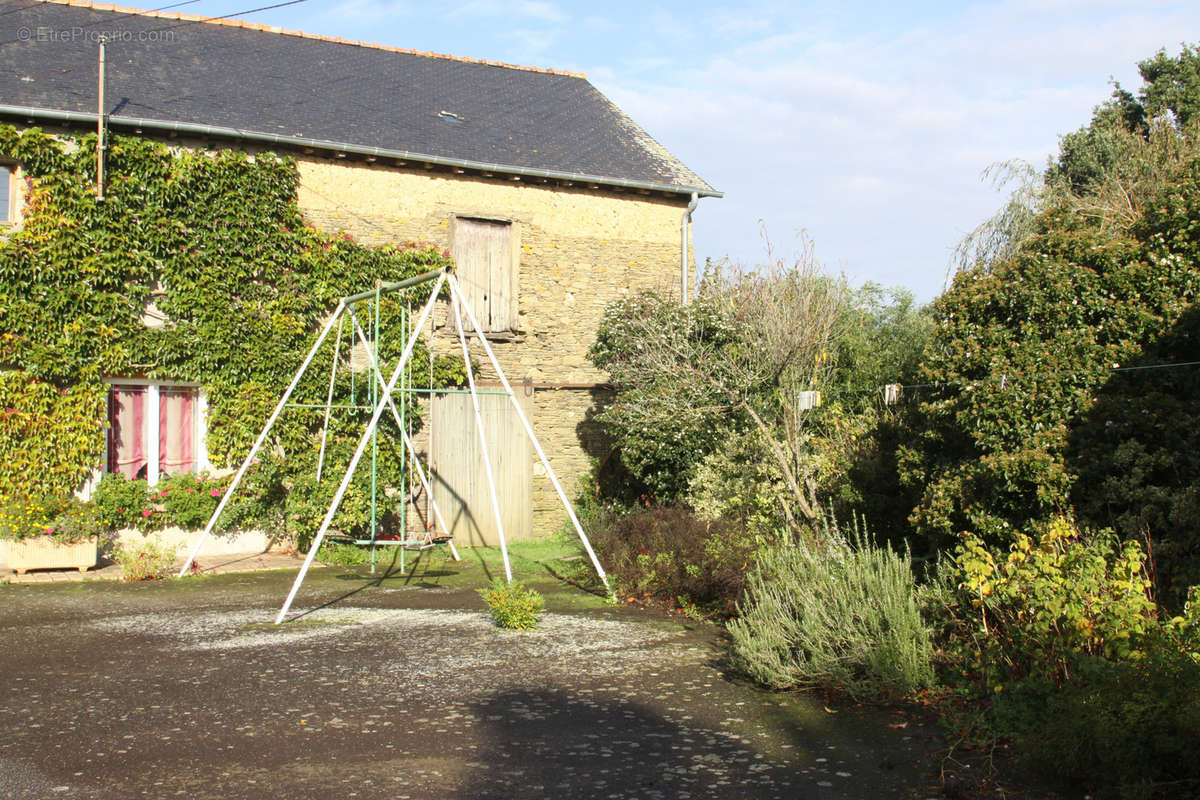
{"x":217,"y":243}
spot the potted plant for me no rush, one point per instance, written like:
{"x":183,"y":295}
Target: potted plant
{"x":49,"y":533}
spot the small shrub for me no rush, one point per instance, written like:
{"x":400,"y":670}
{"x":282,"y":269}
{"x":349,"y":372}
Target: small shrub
{"x":122,"y":503}
{"x":513,"y":605}
{"x":670,"y":554}
{"x":1033,"y":612}
{"x":65,"y":520}
{"x":149,"y":560}
{"x":22,"y":517}
{"x":1061,"y":635}
{"x":76,"y":522}
{"x":842,"y":615}
{"x":188,"y":500}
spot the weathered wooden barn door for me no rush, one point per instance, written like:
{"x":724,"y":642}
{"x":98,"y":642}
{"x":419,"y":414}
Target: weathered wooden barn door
{"x":483,"y":256}
{"x":460,"y":483}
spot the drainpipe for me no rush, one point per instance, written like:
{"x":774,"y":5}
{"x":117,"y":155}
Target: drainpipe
{"x":684,"y":225}
{"x":100,"y":120}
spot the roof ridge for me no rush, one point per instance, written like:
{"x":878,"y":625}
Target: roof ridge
{"x":258,"y":26}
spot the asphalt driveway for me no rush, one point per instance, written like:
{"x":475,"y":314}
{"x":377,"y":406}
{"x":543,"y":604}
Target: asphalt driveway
{"x":383,"y":688}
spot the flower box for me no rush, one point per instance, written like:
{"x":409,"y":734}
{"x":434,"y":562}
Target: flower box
{"x":42,"y":552}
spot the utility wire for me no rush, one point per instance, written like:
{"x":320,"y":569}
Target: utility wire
{"x":231,"y":14}
{"x":1007,"y":378}
{"x":24,"y":5}
{"x":139,"y":13}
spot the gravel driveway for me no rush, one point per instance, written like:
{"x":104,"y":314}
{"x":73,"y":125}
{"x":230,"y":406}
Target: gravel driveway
{"x":183,"y":688}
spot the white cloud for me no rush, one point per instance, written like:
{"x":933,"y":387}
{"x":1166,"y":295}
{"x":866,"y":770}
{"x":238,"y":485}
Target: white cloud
{"x":529,"y":9}
{"x":526,"y":45}
{"x":875,"y":140}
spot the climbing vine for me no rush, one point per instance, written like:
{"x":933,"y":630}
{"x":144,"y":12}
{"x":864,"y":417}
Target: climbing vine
{"x":212,"y":244}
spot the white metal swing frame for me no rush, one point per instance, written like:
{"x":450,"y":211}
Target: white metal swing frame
{"x":460,"y":307}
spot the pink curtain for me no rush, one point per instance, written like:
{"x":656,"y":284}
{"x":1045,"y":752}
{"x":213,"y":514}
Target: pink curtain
{"x":175,"y":425}
{"x":126,"y":451}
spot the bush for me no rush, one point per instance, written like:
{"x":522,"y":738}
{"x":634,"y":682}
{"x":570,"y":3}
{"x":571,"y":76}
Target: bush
{"x":513,"y":605}
{"x":1033,"y":613}
{"x":670,"y":554}
{"x":189,"y":500}
{"x":1117,"y":727}
{"x":75,"y":521}
{"x":186,"y":500}
{"x":1061,"y":634}
{"x":844,"y":615}
{"x":149,"y":560}
{"x":65,"y":520}
{"x":122,"y":503}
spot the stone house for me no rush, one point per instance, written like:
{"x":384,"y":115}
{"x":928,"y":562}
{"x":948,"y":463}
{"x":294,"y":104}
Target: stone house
{"x":551,"y":200}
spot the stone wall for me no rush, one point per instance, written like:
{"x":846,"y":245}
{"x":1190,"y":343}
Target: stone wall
{"x":580,"y":248}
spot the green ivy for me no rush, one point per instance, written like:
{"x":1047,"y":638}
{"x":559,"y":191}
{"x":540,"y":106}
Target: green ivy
{"x":217,"y":243}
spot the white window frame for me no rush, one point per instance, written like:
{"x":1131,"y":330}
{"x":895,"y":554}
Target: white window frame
{"x":199,"y":421}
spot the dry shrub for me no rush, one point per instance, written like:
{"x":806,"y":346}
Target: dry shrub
{"x":670,"y":554}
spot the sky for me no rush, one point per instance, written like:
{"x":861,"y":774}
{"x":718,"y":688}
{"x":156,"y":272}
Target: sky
{"x":864,"y":127}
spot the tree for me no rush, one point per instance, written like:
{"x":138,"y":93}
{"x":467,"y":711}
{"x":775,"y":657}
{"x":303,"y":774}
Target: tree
{"x":717,"y":402}
{"x":737,"y":359}
{"x":1034,"y":413}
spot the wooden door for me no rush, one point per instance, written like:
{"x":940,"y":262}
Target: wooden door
{"x":460,"y":485}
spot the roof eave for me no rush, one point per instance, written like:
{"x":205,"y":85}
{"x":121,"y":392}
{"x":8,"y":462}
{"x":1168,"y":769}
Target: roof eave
{"x":33,"y":112}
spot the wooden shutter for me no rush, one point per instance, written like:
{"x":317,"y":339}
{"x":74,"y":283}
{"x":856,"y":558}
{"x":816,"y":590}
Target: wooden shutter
{"x":482,"y":252}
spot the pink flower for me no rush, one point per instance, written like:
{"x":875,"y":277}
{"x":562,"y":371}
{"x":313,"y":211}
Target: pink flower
{"x":215,"y":493}
{"x":190,"y":490}
{"x":147,"y":512}
{"x":48,"y":531}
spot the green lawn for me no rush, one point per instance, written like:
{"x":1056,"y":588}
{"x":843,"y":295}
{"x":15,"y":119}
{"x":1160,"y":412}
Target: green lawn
{"x":553,"y":566}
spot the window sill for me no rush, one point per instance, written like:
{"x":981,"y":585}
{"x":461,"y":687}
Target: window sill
{"x":513,"y":337}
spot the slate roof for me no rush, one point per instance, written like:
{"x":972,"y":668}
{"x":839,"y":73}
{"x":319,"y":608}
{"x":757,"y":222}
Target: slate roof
{"x":172,"y":71}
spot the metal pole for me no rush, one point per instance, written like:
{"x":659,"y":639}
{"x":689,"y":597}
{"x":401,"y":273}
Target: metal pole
{"x":375,"y":445}
{"x":100,"y":120}
{"x":455,"y":292}
{"x":429,"y":452}
{"x":456,"y":301}
{"x":404,"y":477}
{"x":337,"y":351}
{"x":237,"y":479}
{"x":358,"y":453}
{"x":408,"y":443}
{"x":394,"y":286}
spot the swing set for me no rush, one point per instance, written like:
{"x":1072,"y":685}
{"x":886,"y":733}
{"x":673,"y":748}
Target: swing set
{"x":382,"y":396}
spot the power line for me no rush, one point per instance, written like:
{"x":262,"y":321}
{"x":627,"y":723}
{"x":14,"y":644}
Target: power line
{"x":140,"y":13}
{"x":1004,"y":379}
{"x":232,"y":14}
{"x":22,"y":7}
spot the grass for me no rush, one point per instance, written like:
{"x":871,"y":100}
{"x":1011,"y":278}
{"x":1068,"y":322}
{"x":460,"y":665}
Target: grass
{"x":550,"y":566}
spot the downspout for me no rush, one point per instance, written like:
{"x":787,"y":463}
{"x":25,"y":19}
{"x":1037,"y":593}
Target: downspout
{"x":100,"y":120}
{"x":684,"y":229}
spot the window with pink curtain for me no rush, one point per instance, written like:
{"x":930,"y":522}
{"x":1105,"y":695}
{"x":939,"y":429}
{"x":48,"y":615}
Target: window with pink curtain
{"x":129,"y":447}
{"x":126,"y":439}
{"x":175,"y":428}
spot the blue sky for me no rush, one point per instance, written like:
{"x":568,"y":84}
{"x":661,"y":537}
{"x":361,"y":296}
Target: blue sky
{"x":866,"y":125}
